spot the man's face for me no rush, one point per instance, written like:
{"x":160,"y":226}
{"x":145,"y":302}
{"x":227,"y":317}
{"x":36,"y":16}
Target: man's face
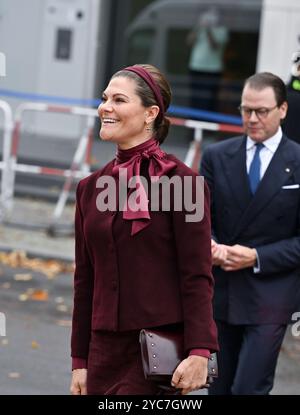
{"x":264,"y":123}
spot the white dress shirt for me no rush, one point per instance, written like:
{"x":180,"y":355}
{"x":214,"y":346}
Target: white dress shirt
{"x":266,"y":153}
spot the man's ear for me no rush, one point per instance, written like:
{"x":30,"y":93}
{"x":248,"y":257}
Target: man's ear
{"x":283,"y":110}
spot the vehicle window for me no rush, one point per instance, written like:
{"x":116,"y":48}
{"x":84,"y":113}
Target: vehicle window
{"x":240,"y":55}
{"x":239,"y":63}
{"x":140,"y":45}
{"x":177,"y":42}
{"x":218,"y":90}
{"x":206,"y":52}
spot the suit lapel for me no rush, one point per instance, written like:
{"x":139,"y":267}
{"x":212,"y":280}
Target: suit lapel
{"x":234,"y":165}
{"x":281,"y":167}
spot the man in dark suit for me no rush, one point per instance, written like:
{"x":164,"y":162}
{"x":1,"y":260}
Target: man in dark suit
{"x":255,"y":190}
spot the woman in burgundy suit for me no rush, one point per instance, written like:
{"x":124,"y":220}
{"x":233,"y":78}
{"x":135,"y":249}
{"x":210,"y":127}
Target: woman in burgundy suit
{"x":138,"y":266}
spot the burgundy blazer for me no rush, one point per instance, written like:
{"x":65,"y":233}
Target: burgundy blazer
{"x":161,"y":275}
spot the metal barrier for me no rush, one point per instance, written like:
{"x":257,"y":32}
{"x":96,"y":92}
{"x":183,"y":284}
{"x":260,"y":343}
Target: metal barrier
{"x":5,"y":202}
{"x":81,"y":162}
{"x":80,"y":166}
{"x":193,"y":156}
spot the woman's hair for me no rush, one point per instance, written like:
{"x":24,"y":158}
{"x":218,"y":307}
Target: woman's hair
{"x":161,"y":124}
{"x":263,"y":80}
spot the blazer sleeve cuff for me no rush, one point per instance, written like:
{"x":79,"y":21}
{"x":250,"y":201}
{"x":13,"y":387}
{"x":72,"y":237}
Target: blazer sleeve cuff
{"x":79,"y":363}
{"x":200,"y":352}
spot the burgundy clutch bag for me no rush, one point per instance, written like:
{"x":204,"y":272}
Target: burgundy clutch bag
{"x":162,"y":351}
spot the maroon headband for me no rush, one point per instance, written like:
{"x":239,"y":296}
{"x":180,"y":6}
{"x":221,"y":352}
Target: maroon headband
{"x":148,"y":78}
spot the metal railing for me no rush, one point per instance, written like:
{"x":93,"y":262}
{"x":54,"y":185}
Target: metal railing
{"x":5,"y":200}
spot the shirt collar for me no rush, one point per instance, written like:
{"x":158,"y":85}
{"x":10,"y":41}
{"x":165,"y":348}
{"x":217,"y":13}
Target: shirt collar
{"x":271,"y":143}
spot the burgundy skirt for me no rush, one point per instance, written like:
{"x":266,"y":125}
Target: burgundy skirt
{"x":115,"y":365}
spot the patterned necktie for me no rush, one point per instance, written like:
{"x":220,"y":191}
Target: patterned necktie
{"x":254,"y":171}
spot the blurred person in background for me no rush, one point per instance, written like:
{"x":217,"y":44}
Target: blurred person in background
{"x":139,"y":268}
{"x":291,"y":125}
{"x":208,"y":40}
{"x":255,"y":189}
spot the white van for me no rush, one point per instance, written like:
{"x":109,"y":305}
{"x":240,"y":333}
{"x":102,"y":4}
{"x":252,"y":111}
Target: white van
{"x":159,"y":35}
{"x":257,"y":31}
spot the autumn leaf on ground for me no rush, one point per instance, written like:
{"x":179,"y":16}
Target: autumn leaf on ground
{"x":62,"y":307}
{"x":51,"y":268}
{"x":64,"y":323}
{"x":34,"y":294}
{"x":39,"y":295}
{"x":34,"y":345}
{"x":23,"y":297}
{"x":23,"y":277}
{"x":14,"y":375}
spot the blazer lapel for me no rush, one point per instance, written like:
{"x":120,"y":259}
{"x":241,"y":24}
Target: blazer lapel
{"x":234,"y":165}
{"x":281,"y":167}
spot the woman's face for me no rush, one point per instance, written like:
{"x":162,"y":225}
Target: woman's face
{"x":123,"y":117}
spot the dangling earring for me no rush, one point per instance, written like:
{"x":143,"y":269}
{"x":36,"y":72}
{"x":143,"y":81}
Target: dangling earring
{"x":148,"y":127}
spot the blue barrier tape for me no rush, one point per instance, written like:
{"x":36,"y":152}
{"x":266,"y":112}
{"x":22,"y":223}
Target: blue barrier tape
{"x":174,"y":110}
{"x":49,"y":98}
{"x":205,"y":115}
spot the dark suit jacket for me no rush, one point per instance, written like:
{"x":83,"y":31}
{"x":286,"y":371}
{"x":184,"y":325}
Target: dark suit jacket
{"x":268,"y":221}
{"x":159,"y":276}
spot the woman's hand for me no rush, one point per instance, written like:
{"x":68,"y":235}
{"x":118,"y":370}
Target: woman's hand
{"x":78,"y":382}
{"x":190,"y":374}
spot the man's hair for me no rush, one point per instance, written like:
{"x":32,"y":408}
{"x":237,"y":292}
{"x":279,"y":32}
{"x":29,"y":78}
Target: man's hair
{"x":263,"y":80}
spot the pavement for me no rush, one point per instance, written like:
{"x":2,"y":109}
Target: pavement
{"x":36,"y":297}
{"x":35,"y":353}
{"x":36,"y":274}
{"x":26,"y":229}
